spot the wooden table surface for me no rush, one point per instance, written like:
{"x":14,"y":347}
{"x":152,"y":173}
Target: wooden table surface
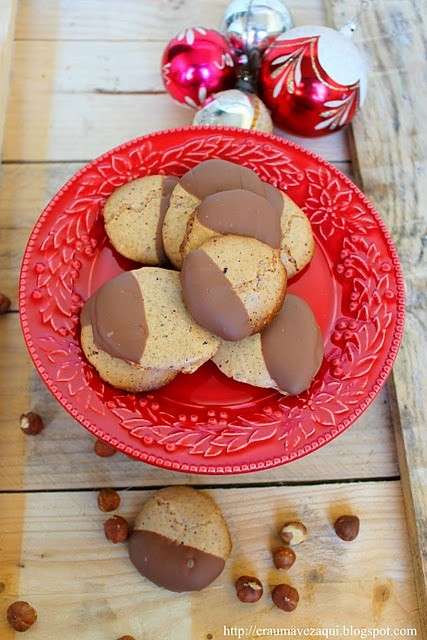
{"x":85,"y":77}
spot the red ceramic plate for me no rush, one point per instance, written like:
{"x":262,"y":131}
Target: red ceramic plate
{"x":204,"y":422}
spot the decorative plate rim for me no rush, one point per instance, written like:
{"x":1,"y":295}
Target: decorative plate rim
{"x":203,"y":469}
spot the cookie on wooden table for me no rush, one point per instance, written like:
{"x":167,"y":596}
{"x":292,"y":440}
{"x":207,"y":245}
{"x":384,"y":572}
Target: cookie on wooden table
{"x":207,"y":178}
{"x":233,"y":286}
{"x":180,"y":540}
{"x":236,"y":212}
{"x":134,"y":215}
{"x":285,"y":356}
{"x":138,"y":334}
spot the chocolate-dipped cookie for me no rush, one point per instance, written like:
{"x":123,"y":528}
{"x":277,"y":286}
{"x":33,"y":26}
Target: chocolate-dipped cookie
{"x":137,"y":333}
{"x":236,"y":212}
{"x":207,"y":178}
{"x":233,"y":286}
{"x":134,"y":215}
{"x":180,"y":540}
{"x":285,"y":356}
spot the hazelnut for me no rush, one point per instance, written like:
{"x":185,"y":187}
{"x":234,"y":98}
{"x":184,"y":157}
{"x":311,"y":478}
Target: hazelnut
{"x":116,"y":529}
{"x":284,"y":557}
{"x":347,"y":527}
{"x":293,"y":533}
{"x":103,"y":449}
{"x":285,"y":597}
{"x":126,"y":638}
{"x":31,"y":423}
{"x":248,"y":589}
{"x":108,"y":500}
{"x":21,"y":616}
{"x":4,"y":303}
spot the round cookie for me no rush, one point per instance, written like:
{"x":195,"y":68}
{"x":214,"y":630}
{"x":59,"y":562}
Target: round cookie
{"x":285,"y":356}
{"x":207,"y":178}
{"x":180,"y":540}
{"x":236,"y":212}
{"x":297,"y":246}
{"x":134,"y":215}
{"x":137,"y":333}
{"x":233,"y":286}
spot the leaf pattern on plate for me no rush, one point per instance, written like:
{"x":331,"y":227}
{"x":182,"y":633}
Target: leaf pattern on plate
{"x":358,"y":355}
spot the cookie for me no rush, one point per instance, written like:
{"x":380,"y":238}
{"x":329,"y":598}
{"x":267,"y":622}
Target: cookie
{"x":138,"y":334}
{"x":207,"y":178}
{"x":180,"y":540}
{"x":297,"y":246}
{"x":181,"y":207}
{"x":233,"y":286}
{"x":134,"y":215}
{"x":236,"y":212}
{"x":285,"y":356}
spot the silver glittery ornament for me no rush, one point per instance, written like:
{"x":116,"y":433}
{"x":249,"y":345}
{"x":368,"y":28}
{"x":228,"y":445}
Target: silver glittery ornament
{"x":234,"y":108}
{"x":253,"y":24}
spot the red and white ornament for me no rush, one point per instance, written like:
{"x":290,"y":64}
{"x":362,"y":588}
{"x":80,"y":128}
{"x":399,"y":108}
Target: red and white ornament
{"x":196,"y":64}
{"x":313,"y":80}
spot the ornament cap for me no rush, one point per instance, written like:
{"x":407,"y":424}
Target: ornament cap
{"x":349,"y":29}
{"x":253,"y":24}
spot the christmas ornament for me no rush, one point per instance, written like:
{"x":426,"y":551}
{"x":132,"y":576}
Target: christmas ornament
{"x":234,"y":108}
{"x":196,"y":64}
{"x":313,"y":79}
{"x":251,"y":24}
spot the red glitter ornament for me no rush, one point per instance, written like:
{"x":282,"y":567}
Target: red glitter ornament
{"x":196,"y":64}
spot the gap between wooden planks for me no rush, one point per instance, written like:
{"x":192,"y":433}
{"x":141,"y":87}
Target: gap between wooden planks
{"x":390,"y":152}
{"x":83,"y":587}
{"x":74,"y":100}
{"x":38,"y":139}
{"x":81,"y":126}
{"x":62,"y":455}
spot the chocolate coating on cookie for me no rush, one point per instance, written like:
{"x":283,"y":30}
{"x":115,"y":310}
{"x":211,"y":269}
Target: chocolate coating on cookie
{"x":172,"y":565}
{"x":213,"y":176}
{"x":292,"y":346}
{"x":211,"y":299}
{"x":168,"y":185}
{"x":243,"y":213}
{"x":117,"y":316}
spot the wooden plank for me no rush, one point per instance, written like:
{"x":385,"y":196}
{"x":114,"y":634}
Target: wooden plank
{"x":85,"y":588}
{"x":390,"y":144}
{"x":62,"y":456}
{"x":7,"y":29}
{"x":130,"y":20}
{"x":87,"y":67}
{"x":95,"y":122}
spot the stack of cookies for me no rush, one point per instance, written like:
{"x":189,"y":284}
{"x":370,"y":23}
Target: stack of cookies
{"x":236,"y":241}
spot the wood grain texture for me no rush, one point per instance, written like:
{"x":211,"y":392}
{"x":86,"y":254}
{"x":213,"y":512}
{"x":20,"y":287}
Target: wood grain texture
{"x":47,"y":68}
{"x":135,"y":20}
{"x":72,"y":99}
{"x":11,"y":532}
{"x":10,"y":540}
{"x":62,"y":455}
{"x":390,"y":145}
{"x":83,"y":587}
{"x":7,"y":30}
{"x":53,"y":126}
